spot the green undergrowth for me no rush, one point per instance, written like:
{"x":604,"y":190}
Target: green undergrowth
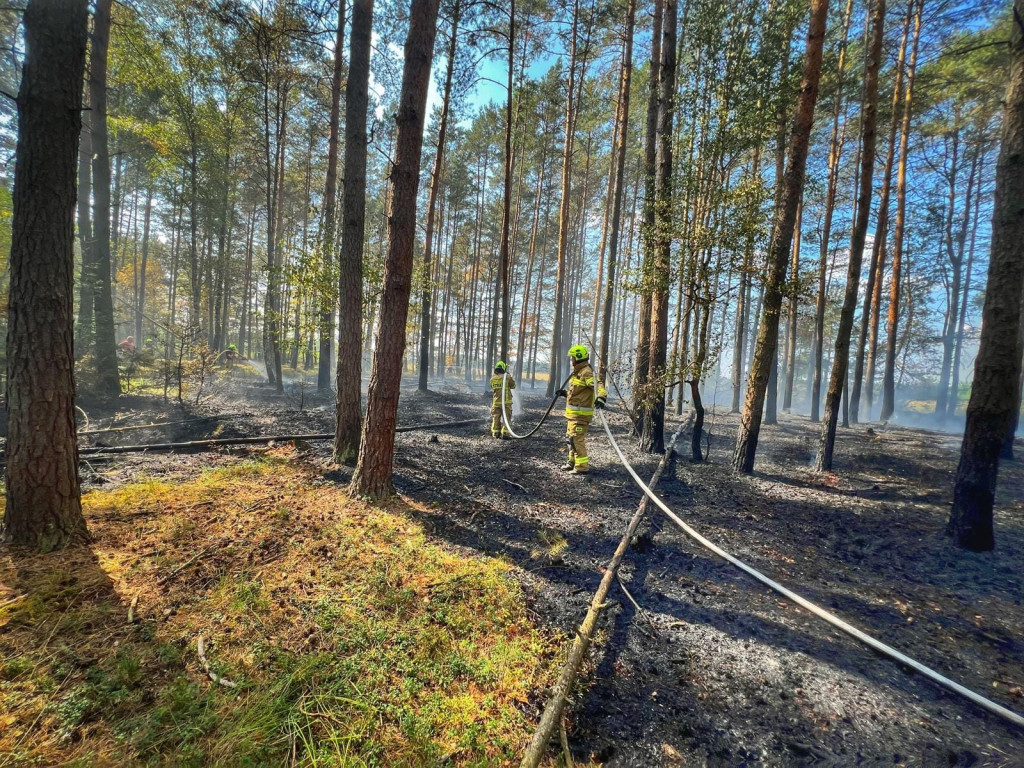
{"x":352,"y":638}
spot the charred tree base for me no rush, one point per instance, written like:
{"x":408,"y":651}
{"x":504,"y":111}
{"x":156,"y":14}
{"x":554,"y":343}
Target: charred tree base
{"x":696,"y":453}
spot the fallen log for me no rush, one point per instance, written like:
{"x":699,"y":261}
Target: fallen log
{"x":198,"y":445}
{"x":552,"y":716}
{"x":132,"y":427}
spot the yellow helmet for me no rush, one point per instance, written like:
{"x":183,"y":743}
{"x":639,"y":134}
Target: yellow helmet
{"x":500,"y":367}
{"x":579,"y":353}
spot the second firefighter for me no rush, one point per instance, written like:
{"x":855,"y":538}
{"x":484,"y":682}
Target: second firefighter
{"x":498,"y":428}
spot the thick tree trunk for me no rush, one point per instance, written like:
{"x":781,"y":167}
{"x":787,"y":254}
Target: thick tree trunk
{"x":44,"y":508}
{"x":435,"y":186}
{"x":889,"y":372}
{"x":643,"y":333}
{"x":348,"y":414}
{"x":104,"y":342}
{"x":328,"y":297}
{"x":372,"y":477}
{"x":781,"y":242}
{"x":696,"y":452}
{"x":652,"y":434}
{"x":995,"y":395}
{"x":840,"y":362}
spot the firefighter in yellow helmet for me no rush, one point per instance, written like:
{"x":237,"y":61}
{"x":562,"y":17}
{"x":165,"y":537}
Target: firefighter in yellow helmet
{"x":584,"y":394}
{"x":498,"y":428}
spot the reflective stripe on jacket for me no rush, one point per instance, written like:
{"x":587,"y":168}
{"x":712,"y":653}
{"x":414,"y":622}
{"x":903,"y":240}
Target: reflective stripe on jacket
{"x":582,"y":391}
{"x":496,"y":387}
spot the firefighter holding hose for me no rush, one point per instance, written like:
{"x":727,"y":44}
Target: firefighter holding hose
{"x":584,"y":394}
{"x":498,"y":386}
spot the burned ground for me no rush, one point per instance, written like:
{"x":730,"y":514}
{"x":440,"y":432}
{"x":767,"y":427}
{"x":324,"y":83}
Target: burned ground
{"x":715,"y":669}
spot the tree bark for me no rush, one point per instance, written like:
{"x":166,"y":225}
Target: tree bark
{"x":104,"y":343}
{"x":643,"y":333}
{"x":329,"y":238}
{"x":995,"y":394}
{"x":781,"y":242}
{"x":652,"y":435}
{"x":43,"y":508}
{"x":348,"y":413}
{"x":841,"y":358}
{"x":372,"y":477}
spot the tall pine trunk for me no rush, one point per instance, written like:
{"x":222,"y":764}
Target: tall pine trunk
{"x":372,"y":477}
{"x":435,"y":186}
{"x":895,"y":283}
{"x":867,"y":341}
{"x":328,"y":297}
{"x":781,"y":242}
{"x":87,"y":280}
{"x":348,"y":414}
{"x":561,"y":314}
{"x":652,"y":433}
{"x":841,"y":358}
{"x":834,"y":155}
{"x":622,"y":118}
{"x":794,"y":297}
{"x":104,"y":342}
{"x":505,"y":252}
{"x":44,"y":509}
{"x":643,"y":332}
{"x":995,"y":395}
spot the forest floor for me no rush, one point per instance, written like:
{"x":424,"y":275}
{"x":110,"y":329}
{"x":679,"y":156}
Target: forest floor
{"x":715,"y":669}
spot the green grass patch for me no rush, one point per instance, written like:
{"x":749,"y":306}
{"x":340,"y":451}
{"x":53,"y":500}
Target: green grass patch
{"x":353,"y":638}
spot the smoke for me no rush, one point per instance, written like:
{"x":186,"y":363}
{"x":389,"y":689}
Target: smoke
{"x":517,"y":403}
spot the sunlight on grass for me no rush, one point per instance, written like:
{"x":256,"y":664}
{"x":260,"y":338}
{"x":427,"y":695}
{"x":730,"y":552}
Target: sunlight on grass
{"x":353,"y":638}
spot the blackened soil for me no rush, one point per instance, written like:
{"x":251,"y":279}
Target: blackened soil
{"x":715,"y":669}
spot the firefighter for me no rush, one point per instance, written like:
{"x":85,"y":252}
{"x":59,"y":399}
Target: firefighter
{"x":584,"y":394}
{"x":498,"y":428}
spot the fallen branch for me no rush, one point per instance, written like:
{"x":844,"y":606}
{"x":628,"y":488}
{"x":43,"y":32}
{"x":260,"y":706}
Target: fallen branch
{"x":515,"y":485}
{"x":132,"y":427}
{"x":552,"y":715}
{"x":218,"y":679}
{"x":131,"y":609}
{"x":198,"y":445}
{"x":179,"y":568}
{"x":565,"y":747}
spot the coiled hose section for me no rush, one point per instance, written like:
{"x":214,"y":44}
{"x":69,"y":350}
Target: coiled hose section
{"x":504,"y":411}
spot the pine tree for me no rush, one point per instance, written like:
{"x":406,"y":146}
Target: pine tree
{"x":44,"y":509}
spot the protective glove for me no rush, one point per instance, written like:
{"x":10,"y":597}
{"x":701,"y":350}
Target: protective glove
{"x":561,"y":393}
{"x":599,"y":403}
